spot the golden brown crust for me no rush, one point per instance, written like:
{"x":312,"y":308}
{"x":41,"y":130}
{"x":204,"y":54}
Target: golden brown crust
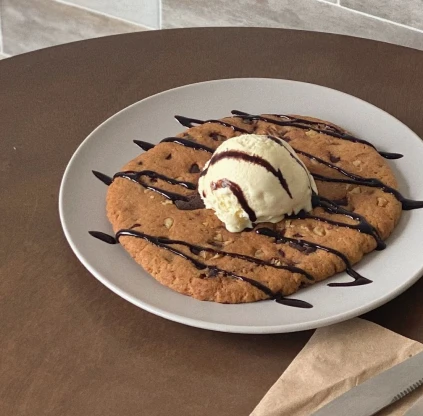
{"x":129,"y":204}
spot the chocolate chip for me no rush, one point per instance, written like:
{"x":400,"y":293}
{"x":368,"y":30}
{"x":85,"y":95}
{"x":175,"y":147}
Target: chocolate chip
{"x":297,"y":246}
{"x":202,"y":276}
{"x":213,"y":272}
{"x":298,"y":235}
{"x":134,"y":226}
{"x":333,"y":158}
{"x":153,"y":180}
{"x":281,"y":253}
{"x":194,"y":202}
{"x":194,"y":168}
{"x":301,"y":248}
{"x":216,"y":136}
{"x":140,"y":163}
{"x":169,"y":156}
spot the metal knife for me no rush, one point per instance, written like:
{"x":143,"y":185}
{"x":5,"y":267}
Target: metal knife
{"x":378,"y":392}
{"x":416,"y":409}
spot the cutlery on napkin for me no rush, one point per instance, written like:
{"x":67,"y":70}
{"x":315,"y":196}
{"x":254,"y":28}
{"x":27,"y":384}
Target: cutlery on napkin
{"x":335,"y":359}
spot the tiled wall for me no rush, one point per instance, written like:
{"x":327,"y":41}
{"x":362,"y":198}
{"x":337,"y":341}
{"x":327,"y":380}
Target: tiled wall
{"x":32,"y":24}
{"x":26,"y":25}
{"x":363,"y":18}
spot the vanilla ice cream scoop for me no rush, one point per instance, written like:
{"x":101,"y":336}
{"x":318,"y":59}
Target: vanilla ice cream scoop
{"x":252,"y":179}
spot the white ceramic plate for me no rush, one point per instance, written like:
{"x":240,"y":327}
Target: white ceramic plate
{"x":110,"y":146}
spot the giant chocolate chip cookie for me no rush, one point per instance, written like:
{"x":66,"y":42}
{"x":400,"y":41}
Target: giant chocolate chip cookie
{"x":159,"y":218}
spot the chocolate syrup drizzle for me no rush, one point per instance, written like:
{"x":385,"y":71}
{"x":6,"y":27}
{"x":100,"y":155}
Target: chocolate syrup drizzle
{"x":136,"y":177}
{"x":107,"y":180}
{"x":214,"y":271}
{"x":256,"y":160}
{"x":279,"y":238}
{"x":103,"y":237}
{"x":187,"y":143}
{"x":329,"y":206}
{"x":407,"y":204}
{"x":280,"y":142}
{"x":391,"y":156}
{"x":237,"y":191}
{"x":144,"y":145}
{"x":363,"y":226}
{"x":191,"y":122}
{"x":309,"y":125}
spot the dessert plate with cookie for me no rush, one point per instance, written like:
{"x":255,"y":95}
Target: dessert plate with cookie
{"x":249,"y":205}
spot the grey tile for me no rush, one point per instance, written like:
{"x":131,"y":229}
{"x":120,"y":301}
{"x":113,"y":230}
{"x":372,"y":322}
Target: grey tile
{"x":294,"y":14}
{"x":29,"y":25}
{"x":144,"y":12}
{"x":407,"y":12}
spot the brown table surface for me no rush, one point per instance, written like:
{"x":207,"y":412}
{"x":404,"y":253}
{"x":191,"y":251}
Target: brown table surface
{"x":68,"y":345}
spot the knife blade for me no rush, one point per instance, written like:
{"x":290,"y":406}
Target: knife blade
{"x":379,"y":391}
{"x":416,"y":409}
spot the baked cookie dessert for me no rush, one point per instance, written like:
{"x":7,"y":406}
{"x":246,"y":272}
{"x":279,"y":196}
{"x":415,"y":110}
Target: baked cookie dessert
{"x":338,"y":201}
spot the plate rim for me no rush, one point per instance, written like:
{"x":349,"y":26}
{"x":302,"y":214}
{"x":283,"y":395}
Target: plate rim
{"x":222,"y":327}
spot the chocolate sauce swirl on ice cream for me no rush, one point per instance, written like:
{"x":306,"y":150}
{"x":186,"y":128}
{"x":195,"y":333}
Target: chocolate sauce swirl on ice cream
{"x":252,"y":179}
{"x":255,"y":178}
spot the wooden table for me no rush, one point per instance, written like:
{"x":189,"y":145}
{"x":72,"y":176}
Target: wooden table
{"x":68,"y":345}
